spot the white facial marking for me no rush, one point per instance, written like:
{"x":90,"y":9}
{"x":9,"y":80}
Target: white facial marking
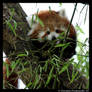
{"x":32,"y":30}
{"x":41,"y":34}
{"x":49,"y":37}
{"x":32,"y":25}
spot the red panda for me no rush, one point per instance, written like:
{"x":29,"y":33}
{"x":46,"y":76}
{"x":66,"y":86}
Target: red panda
{"x":53,"y":25}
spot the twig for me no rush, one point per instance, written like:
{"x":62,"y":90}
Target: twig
{"x":70,"y":22}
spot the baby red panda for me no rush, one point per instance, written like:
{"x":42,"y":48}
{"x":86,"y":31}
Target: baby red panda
{"x":54,"y":23}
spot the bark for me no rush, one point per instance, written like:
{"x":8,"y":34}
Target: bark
{"x":10,"y":41}
{"x":14,"y":44}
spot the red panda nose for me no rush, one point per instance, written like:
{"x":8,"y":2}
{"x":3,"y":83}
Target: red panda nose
{"x":53,"y":37}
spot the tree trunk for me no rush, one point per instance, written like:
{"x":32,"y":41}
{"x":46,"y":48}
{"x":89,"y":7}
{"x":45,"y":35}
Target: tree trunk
{"x":16,"y":41}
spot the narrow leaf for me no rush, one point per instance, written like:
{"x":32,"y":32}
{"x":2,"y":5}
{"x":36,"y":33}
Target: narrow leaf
{"x":50,"y":76}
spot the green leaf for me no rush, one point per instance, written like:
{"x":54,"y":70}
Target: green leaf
{"x":49,"y":77}
{"x":86,"y":40}
{"x":11,"y":27}
{"x":22,"y":55}
{"x":15,"y":25}
{"x":78,"y":28}
{"x":36,"y":80}
{"x":49,"y":8}
{"x":28,"y":85}
{"x":60,"y":45}
{"x":73,"y":77}
{"x":60,"y":4}
{"x":65,"y":66}
{"x":32,"y":20}
{"x":12,"y":13}
{"x":45,"y":66}
{"x":7,"y":69}
{"x":40,"y":21}
{"x":14,"y":64}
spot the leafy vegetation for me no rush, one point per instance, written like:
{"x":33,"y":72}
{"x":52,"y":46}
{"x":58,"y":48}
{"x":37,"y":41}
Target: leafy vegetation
{"x":40,"y":74}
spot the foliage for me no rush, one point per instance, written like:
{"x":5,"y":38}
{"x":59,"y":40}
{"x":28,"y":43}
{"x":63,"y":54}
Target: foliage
{"x":42,"y":73}
{"x":9,"y":24}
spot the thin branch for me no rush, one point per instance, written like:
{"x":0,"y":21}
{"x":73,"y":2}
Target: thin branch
{"x":70,"y":22}
{"x":86,"y":14}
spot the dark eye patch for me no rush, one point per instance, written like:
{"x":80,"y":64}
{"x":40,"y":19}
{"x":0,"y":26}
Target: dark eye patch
{"x":58,"y":31}
{"x":48,"y":32}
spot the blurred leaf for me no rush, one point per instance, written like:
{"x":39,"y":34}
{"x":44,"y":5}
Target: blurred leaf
{"x":60,"y":4}
{"x":7,"y":70}
{"x":32,"y":20}
{"x":73,"y":77}
{"x":22,"y":55}
{"x":12,"y":13}
{"x":78,"y":28}
{"x":49,"y":8}
{"x":60,"y":45}
{"x":40,"y":21}
{"x":86,"y":40}
{"x":14,"y":64}
{"x":49,"y":76}
{"x":82,"y":8}
{"x":15,"y":25}
{"x":65,"y":66}
{"x":11,"y":27}
{"x":36,"y":80}
{"x":28,"y":85}
{"x":86,"y":14}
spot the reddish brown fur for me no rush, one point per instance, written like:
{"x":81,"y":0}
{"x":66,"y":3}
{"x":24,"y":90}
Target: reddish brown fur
{"x":50,"y":20}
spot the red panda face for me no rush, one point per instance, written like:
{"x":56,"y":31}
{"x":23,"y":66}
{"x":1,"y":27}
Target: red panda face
{"x":53,"y":26}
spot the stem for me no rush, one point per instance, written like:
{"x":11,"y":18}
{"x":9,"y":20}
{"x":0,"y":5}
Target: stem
{"x":64,"y":41}
{"x":70,"y":22}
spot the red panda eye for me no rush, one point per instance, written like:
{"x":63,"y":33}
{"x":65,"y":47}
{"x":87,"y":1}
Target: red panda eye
{"x":57,"y":31}
{"x":48,"y":32}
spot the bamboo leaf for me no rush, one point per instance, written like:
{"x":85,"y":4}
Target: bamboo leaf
{"x":40,"y":21}
{"x":60,"y":4}
{"x":36,"y":80}
{"x":78,"y":28}
{"x":14,"y":64}
{"x":73,"y":77}
{"x":11,"y":27}
{"x":60,"y":45}
{"x":28,"y":85}
{"x":7,"y":69}
{"x":63,"y":68}
{"x":15,"y":25}
{"x":49,"y":8}
{"x":50,"y":76}
{"x":21,"y":55}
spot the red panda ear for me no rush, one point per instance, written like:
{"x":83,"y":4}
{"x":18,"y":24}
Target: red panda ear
{"x":62,"y":13}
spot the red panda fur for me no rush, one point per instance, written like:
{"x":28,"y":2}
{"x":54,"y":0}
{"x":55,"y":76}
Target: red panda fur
{"x":53,"y":21}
